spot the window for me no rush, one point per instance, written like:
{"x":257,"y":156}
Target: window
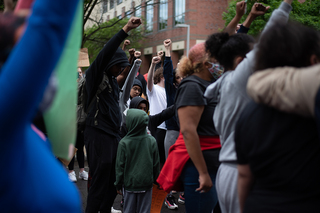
{"x":137,"y":11}
{"x":111,"y":4}
{"x":163,"y":14}
{"x":105,"y":6}
{"x":119,"y":2}
{"x":127,"y":14}
{"x":149,"y":17}
{"x":179,"y":11}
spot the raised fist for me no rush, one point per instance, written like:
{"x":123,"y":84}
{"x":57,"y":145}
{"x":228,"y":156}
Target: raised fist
{"x":126,"y":42}
{"x":167,"y":43}
{"x":156,"y":59}
{"x":132,"y":51}
{"x":160,"y":53}
{"x":137,"y":54}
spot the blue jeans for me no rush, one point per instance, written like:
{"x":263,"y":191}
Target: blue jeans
{"x":197,"y":202}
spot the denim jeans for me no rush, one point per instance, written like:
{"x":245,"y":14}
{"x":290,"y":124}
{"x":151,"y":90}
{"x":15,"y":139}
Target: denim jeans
{"x":196,"y":202}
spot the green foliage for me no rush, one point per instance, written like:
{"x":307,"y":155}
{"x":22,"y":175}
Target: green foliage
{"x":307,"y":13}
{"x":104,"y":33}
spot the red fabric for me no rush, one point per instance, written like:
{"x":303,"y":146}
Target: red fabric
{"x":178,"y":157}
{"x":146,"y":77}
{"x":23,"y":4}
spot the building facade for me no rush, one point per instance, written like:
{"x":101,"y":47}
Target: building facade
{"x":168,"y":19}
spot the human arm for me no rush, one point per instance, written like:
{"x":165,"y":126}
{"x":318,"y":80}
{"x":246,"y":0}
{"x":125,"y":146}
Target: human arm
{"x":123,"y":75}
{"x":246,"y":67}
{"x":157,"y":119}
{"x":129,"y":81}
{"x":45,"y":31}
{"x":158,"y":65}
{"x":8,"y":6}
{"x":245,"y":182}
{"x":150,"y":81}
{"x":257,"y":10}
{"x":288,"y":89}
{"x":94,"y":74}
{"x":232,"y":26}
{"x":168,"y":72}
{"x":125,"y":44}
{"x":189,"y":117}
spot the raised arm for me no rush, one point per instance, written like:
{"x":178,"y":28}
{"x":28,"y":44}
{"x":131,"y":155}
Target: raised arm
{"x":232,"y":26}
{"x":46,"y":32}
{"x":94,"y":73}
{"x":150,"y":82}
{"x":123,"y":75}
{"x":288,"y":89}
{"x":257,"y":10}
{"x":125,"y":44}
{"x":246,"y":67}
{"x":124,"y":96}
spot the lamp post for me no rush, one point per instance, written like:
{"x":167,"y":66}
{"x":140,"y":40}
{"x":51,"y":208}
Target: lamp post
{"x":188,"y":35}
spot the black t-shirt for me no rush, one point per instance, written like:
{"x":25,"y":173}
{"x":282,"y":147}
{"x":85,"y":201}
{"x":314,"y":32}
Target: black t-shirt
{"x":190,"y":93}
{"x":283,"y":152}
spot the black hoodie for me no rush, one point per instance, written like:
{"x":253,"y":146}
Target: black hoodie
{"x":108,"y":117}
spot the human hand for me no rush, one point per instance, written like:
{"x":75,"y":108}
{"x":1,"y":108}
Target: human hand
{"x":133,"y":23}
{"x":167,"y":43}
{"x":240,"y":8}
{"x":126,"y":42}
{"x":258,"y":9}
{"x":156,"y":59}
{"x":289,"y":1}
{"x":119,"y":192}
{"x":131,"y":52}
{"x":205,"y":183}
{"x":160,"y":53}
{"x":137,"y":54}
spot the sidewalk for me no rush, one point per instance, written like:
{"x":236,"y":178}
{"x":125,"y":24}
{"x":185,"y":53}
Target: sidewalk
{"x":82,"y":186}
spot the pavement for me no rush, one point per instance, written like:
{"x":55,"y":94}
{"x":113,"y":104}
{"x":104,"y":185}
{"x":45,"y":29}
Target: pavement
{"x":82,"y":186}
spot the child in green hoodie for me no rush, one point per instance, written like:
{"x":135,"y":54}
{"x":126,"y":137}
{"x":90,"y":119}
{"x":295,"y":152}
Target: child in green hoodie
{"x":137,"y":163}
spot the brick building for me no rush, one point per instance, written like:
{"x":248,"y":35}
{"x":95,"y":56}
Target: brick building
{"x":161,"y":18}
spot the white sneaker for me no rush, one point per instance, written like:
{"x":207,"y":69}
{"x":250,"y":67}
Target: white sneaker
{"x":72,"y":176}
{"x":115,"y":211}
{"x":83,"y":175}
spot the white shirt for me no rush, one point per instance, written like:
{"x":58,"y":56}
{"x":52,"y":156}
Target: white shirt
{"x":158,"y":102}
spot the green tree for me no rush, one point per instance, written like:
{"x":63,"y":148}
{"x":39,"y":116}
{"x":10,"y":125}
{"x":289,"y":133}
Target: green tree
{"x":307,"y":13}
{"x":98,"y":35}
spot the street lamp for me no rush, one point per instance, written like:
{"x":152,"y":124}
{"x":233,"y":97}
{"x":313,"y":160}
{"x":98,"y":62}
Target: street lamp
{"x":188,"y":35}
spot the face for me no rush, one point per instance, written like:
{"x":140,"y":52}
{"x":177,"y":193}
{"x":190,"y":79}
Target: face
{"x":115,"y":70}
{"x":178,"y":79}
{"x":135,"y":91}
{"x":143,"y":107}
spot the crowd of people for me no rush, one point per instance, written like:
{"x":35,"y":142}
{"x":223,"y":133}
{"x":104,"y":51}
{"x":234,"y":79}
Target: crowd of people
{"x":234,"y":127}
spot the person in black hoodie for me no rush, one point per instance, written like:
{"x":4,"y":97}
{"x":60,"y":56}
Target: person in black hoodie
{"x":102,"y":131}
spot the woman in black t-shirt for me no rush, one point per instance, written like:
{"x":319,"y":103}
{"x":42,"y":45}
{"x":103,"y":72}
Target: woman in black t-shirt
{"x":197,"y":166}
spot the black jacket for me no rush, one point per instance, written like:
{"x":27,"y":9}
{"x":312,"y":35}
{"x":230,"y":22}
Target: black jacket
{"x":108,"y":116}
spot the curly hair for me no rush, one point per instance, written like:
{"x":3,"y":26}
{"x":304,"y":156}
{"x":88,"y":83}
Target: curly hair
{"x":226,"y":48}
{"x":194,"y":62}
{"x":158,"y":74}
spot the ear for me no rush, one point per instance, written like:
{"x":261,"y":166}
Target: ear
{"x":207,"y":65}
{"x":237,"y":61}
{"x":314,"y":59}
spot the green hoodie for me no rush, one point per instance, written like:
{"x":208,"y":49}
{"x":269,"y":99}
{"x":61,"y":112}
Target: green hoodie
{"x":137,"y":165}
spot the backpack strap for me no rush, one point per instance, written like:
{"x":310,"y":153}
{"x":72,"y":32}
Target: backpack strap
{"x":105,"y":83}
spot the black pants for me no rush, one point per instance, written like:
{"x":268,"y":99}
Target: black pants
{"x":160,"y":135}
{"x":101,"y":151}
{"x":80,"y":153}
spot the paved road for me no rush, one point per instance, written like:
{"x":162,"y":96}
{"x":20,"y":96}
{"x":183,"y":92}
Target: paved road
{"x":82,"y":186}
